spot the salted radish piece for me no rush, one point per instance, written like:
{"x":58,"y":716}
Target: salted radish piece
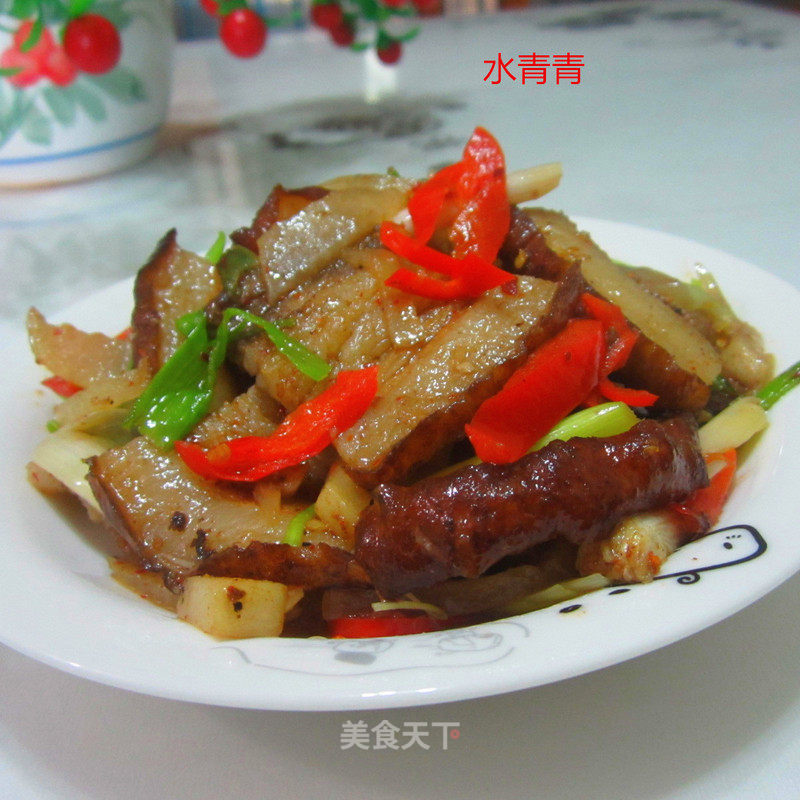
{"x":733,"y":426}
{"x":525,"y":185}
{"x":654,"y":318}
{"x":236,"y":608}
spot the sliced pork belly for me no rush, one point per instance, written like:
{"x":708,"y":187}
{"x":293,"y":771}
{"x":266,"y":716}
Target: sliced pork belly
{"x":293,"y":250}
{"x":325,"y":313}
{"x":281,"y":204}
{"x":671,"y":359}
{"x":172,"y":283}
{"x":424,"y":402}
{"x":348,"y":317}
{"x":312,"y":566}
{"x":171,"y":518}
{"x":75,"y":355}
{"x":651,"y":367}
{"x":526,"y":251}
{"x":252,"y":413}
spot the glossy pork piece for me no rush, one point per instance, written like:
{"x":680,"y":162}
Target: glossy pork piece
{"x":172,"y":283}
{"x":171,"y":518}
{"x":424,"y":403}
{"x":312,"y":566}
{"x":458,"y":525}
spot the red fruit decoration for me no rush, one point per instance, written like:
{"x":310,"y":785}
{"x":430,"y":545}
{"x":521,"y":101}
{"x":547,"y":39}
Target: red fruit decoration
{"x":57,"y":66}
{"x":428,"y":8}
{"x":391,"y":52}
{"x":92,"y":43}
{"x":327,"y":15}
{"x":27,"y":65}
{"x":243,"y":32}
{"x":344,"y":34}
{"x":211,"y":7}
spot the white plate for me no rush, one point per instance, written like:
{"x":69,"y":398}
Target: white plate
{"x":60,"y":606}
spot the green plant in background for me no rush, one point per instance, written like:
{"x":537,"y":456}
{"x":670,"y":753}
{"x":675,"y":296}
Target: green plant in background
{"x":61,"y":63}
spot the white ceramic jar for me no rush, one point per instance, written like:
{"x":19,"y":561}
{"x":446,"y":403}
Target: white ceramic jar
{"x":60,"y":121}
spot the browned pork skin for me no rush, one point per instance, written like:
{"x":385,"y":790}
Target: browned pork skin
{"x":280,"y":205}
{"x":172,"y":283}
{"x":525,"y":250}
{"x":312,"y":566}
{"x":552,"y":240}
{"x":651,"y":367}
{"x":174,"y":520}
{"x":460,"y":524}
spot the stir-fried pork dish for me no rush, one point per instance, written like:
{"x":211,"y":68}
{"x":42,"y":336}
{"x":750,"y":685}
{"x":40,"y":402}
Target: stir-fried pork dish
{"x":392,"y":406}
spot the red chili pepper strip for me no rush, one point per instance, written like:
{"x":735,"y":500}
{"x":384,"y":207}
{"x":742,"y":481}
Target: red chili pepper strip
{"x":485,"y":216}
{"x":556,"y":378}
{"x":384,"y":623}
{"x":639,"y":398}
{"x":425,"y":286}
{"x":470,"y":197}
{"x":623,"y":338}
{"x":616,"y":326}
{"x":431,"y":204}
{"x":306,"y":431}
{"x":470,"y":276}
{"x":710,"y":500}
{"x":61,"y":386}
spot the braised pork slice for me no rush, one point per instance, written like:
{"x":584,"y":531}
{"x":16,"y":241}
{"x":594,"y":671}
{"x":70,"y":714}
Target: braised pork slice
{"x":458,"y":525}
{"x":294,"y":250}
{"x":281,"y":204}
{"x":312,"y":566}
{"x":526,"y":251}
{"x":172,"y":283}
{"x":252,"y":413}
{"x":348,"y":316}
{"x":171,"y":518}
{"x":424,"y":402}
{"x":75,"y":355}
{"x":652,"y":368}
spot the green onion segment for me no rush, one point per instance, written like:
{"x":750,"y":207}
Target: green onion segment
{"x":180,"y":393}
{"x":779,"y":386}
{"x":297,"y":526}
{"x":605,"y":419}
{"x":216,"y":250}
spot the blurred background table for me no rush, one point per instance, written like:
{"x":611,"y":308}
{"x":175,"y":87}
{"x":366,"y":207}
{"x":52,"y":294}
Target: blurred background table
{"x":686,"y":119}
